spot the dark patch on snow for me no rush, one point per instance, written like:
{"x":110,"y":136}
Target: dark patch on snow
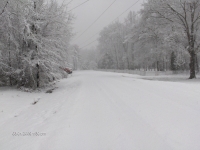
{"x":147,"y":79}
{"x":173,"y":79}
{"x":35,"y":102}
{"x":51,"y":90}
{"x":128,"y":77}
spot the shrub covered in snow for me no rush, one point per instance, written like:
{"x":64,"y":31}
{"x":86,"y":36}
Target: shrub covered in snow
{"x":34,"y":42}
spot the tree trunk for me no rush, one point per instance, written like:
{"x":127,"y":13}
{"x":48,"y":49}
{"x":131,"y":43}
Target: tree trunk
{"x":34,"y":30}
{"x":191,"y":44}
{"x":128,"y":62}
{"x":197,"y":63}
{"x":10,"y":63}
{"x":157,"y":64}
{"x":192,"y":65}
{"x":38,"y":75}
{"x":10,"y":69}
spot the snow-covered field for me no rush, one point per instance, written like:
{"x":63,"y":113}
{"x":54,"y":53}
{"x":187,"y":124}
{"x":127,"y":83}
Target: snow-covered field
{"x":94,"y":110}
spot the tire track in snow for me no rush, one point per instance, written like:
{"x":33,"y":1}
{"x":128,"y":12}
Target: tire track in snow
{"x":166,"y":113}
{"x":144,"y":129}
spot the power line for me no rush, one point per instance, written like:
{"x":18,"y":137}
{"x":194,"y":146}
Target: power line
{"x":63,"y":3}
{"x":126,"y":10}
{"x":91,"y":37}
{"x":96,"y":19}
{"x":88,"y":44}
{"x":79,"y":5}
{"x":69,"y":2}
{"x":111,"y":22}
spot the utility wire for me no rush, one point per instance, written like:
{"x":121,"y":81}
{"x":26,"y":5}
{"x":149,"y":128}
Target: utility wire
{"x":96,"y":19}
{"x":63,"y":3}
{"x":88,"y":44}
{"x":91,"y":37}
{"x":79,"y":5}
{"x":109,"y":23}
{"x":69,"y":2}
{"x":126,"y":10}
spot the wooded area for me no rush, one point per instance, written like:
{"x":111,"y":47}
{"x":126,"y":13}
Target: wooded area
{"x":164,"y":35}
{"x":34,"y":42}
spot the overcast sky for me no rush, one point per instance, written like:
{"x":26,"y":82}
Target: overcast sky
{"x":88,"y":13}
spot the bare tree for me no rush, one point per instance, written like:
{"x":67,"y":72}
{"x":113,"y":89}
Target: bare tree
{"x":182,"y":14}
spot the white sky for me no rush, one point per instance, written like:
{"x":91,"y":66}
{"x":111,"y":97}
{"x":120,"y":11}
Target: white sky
{"x":88,"y":13}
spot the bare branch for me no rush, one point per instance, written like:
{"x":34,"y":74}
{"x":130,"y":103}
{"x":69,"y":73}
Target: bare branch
{"x":4,"y":8}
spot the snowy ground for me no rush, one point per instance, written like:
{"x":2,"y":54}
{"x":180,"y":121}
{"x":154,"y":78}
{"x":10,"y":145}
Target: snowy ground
{"x":102,"y":111}
{"x":173,"y":78}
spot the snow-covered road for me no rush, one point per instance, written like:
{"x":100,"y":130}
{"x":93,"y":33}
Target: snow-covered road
{"x":103,"y":111}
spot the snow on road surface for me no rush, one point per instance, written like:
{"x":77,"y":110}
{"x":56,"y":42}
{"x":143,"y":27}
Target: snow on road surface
{"x":102,"y":111}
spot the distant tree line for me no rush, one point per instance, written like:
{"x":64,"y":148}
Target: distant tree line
{"x":34,"y":41}
{"x":164,"y":35}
